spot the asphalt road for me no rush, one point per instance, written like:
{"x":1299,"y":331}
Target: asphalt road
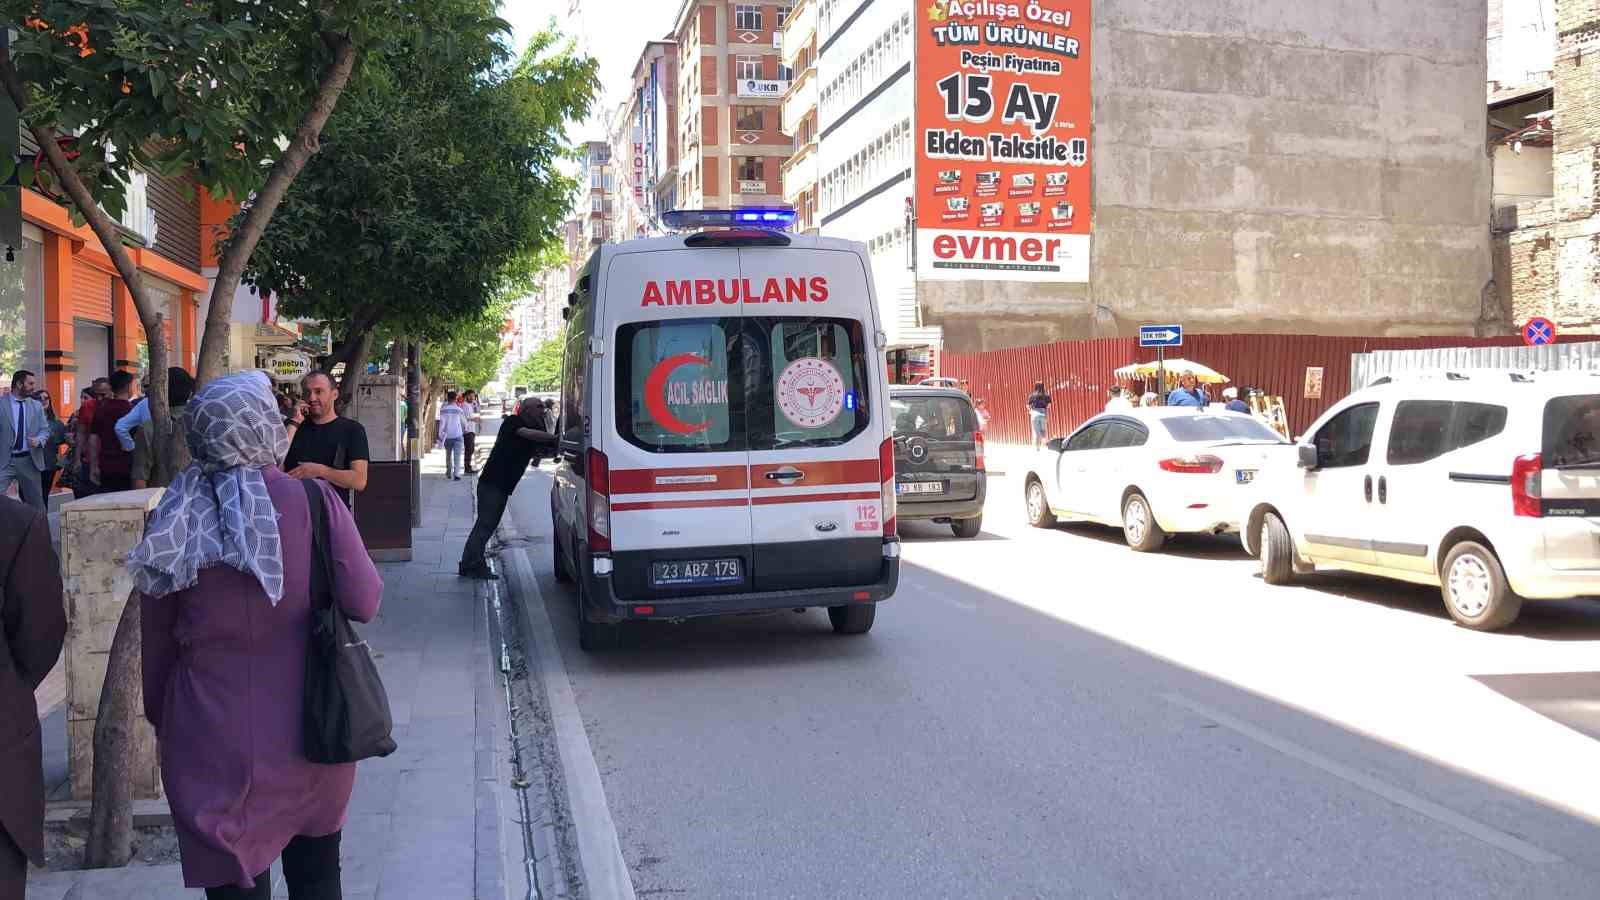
{"x":1046,"y":713}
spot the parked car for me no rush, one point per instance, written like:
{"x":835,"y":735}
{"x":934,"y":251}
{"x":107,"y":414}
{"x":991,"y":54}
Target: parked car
{"x":938,"y":458}
{"x":1484,"y":484}
{"x":1153,"y":472}
{"x":940,"y":381}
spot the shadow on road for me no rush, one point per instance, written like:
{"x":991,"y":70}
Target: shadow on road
{"x":1554,"y":620}
{"x":1185,"y":546}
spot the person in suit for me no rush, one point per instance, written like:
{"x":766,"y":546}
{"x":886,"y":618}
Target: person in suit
{"x":33,"y":623}
{"x":24,"y":431}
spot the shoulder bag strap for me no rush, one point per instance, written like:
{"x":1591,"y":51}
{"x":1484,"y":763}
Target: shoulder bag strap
{"x":321,"y":564}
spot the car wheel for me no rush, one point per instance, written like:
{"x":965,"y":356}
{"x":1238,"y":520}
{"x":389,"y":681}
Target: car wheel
{"x":967,"y":528}
{"x":1277,"y":551}
{"x":1476,"y":593}
{"x":1139,"y":525}
{"x":856,"y":619}
{"x":1039,"y":514}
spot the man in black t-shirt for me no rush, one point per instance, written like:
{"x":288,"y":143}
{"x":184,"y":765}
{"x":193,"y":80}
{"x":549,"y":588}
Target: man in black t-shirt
{"x":521,"y":441}
{"x":324,"y":445}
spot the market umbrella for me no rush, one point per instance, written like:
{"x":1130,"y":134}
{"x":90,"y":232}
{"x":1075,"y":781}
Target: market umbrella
{"x":1174,"y":367}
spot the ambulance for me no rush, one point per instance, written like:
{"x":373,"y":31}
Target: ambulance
{"x":725,"y":444}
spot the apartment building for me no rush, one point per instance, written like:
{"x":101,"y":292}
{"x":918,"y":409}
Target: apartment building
{"x":731,"y":146}
{"x":597,"y":208}
{"x":797,"y":49}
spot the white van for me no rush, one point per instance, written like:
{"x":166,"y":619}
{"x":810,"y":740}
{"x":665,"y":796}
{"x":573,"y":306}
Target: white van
{"x":725,"y":443}
{"x":1485,"y":484}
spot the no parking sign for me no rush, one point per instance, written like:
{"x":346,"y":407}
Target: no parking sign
{"x":1538,"y":331}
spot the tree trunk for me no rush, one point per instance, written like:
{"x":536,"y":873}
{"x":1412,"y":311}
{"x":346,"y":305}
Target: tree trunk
{"x":111,"y":805}
{"x":397,"y":356}
{"x":265,"y":202}
{"x":413,"y":397}
{"x":430,"y":405}
{"x":354,"y":367}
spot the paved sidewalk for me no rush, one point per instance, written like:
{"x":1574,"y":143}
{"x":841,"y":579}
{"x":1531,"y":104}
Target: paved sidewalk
{"x":435,"y":820}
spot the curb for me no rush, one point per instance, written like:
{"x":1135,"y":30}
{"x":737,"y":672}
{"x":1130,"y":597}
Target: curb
{"x":600,"y":860}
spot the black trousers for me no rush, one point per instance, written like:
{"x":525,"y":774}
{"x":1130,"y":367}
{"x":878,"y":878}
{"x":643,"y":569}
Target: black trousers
{"x":13,"y":868}
{"x":491,"y":507}
{"x":310,"y":868}
{"x":471,"y":441}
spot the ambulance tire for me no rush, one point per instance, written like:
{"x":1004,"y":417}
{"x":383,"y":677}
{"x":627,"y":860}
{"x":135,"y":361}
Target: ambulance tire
{"x":594,"y":637}
{"x":559,"y":562}
{"x":854,"y":619}
{"x":967,"y":528}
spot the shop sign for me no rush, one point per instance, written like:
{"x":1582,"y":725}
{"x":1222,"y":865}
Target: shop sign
{"x":752,"y":187}
{"x":288,"y":366}
{"x":1002,"y":132}
{"x":759,"y":87}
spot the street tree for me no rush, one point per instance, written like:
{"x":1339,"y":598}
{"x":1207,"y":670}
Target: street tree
{"x":438,"y":189}
{"x":231,"y":93}
{"x":540,"y":370}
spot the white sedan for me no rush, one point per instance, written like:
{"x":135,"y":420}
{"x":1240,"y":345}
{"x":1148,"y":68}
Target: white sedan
{"x":1153,"y":472}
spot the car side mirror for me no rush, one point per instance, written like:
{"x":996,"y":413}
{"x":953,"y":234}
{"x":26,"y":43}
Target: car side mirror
{"x":1308,"y":456}
{"x":1054,"y":444}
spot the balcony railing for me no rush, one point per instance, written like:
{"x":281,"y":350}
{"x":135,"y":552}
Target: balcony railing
{"x":799,"y":172}
{"x":800,"y":99}
{"x":799,"y":31}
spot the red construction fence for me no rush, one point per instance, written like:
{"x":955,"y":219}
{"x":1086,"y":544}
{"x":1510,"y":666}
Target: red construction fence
{"x":1078,"y":373}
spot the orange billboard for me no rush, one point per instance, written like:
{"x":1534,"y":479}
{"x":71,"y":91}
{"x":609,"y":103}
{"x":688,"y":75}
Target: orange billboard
{"x":1002,"y":131}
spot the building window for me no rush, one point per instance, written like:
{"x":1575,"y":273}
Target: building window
{"x":596,"y":204}
{"x":747,"y":67}
{"x":750,"y":118}
{"x":750,"y":169}
{"x":597,"y":179}
{"x":783,"y":14}
{"x":747,"y":17}
{"x":785,"y":73}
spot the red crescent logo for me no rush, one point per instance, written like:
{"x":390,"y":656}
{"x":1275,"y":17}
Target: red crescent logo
{"x":655,"y":393}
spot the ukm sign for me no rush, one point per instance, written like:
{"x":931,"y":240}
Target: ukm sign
{"x":1002,"y":132}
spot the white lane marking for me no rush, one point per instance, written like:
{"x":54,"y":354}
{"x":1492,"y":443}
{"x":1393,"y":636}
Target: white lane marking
{"x":1443,"y":815}
{"x":605,"y":871}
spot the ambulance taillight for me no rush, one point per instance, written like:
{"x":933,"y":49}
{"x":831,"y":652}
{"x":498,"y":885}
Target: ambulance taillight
{"x":598,"y":474}
{"x":891,"y":526}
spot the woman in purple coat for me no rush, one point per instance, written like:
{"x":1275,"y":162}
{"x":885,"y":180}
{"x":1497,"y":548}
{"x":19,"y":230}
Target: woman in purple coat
{"x":225,"y":572}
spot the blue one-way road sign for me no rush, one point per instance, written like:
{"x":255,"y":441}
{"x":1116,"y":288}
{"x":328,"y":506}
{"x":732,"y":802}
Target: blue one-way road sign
{"x":1161,"y":335}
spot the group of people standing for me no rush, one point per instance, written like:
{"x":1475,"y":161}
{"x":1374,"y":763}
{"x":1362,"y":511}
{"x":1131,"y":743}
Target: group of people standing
{"x":460,"y":417}
{"x":1189,"y":392}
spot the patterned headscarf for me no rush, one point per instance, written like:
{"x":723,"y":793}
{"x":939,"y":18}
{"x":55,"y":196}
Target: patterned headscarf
{"x":217,"y":510}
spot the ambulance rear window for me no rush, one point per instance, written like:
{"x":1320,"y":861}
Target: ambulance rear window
{"x":675,"y":393}
{"x":813,"y":390}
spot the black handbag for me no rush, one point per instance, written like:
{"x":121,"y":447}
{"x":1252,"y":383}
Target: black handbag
{"x":346,"y":710}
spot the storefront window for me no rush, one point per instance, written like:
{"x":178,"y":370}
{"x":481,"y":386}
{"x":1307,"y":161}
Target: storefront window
{"x":22,"y":311}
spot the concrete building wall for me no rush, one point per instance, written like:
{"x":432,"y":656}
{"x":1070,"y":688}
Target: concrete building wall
{"x":1270,"y":166}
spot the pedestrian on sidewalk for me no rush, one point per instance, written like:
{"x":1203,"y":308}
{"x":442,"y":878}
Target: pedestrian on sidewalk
{"x":178,"y":381}
{"x":326,"y":445}
{"x":1230,"y":396}
{"x":522,"y":439}
{"x":110,"y":466}
{"x":179,"y":388}
{"x":1188,"y":392}
{"x":225,"y":572}
{"x":981,"y":407}
{"x":1038,"y":409}
{"x":98,"y":390}
{"x":469,"y":430}
{"x":23,"y":433}
{"x":33,"y":623}
{"x":452,"y":425}
{"x":53,"y":445}
{"x":1117,"y":402}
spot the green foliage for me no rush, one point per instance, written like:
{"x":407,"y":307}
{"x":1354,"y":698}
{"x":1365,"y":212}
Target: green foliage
{"x":468,"y":355}
{"x":437,"y":185}
{"x":205,"y":87}
{"x":540,"y":371}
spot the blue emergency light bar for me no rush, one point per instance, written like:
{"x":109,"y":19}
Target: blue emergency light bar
{"x":777,"y":218}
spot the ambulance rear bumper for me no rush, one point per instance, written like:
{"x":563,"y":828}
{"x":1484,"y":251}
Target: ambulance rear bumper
{"x":604,"y":605}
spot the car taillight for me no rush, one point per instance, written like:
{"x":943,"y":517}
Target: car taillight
{"x":977,"y":442}
{"x":891,"y":525}
{"x":1527,"y":473}
{"x":1203,"y":464}
{"x":598,"y":474}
